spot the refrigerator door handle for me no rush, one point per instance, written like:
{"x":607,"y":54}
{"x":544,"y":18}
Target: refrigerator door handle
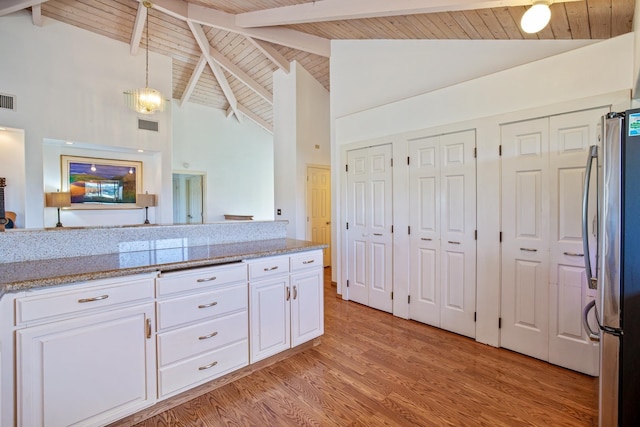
{"x":591,"y":281}
{"x":593,"y":335}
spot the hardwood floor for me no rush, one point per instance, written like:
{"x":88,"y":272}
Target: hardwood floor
{"x":373,"y":369}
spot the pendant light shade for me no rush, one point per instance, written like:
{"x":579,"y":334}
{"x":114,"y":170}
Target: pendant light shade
{"x":145,"y":100}
{"x":536,"y":17}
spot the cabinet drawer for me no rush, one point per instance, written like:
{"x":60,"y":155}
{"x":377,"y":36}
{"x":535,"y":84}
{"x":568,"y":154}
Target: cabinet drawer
{"x":268,"y":267}
{"x":178,"y":311}
{"x":206,"y":367}
{"x":306,"y":260}
{"x":202,"y":337}
{"x":77,"y":301}
{"x":199,"y":278}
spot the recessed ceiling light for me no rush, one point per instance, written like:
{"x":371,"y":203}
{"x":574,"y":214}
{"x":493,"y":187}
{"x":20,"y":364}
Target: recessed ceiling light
{"x":69,"y":143}
{"x":140,"y":151}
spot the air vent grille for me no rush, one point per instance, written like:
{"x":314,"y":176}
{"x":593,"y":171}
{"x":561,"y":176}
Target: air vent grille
{"x":7,"y":102}
{"x":148,"y":125}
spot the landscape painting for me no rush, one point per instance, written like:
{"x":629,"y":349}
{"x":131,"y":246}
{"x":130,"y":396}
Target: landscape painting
{"x":101,"y":183}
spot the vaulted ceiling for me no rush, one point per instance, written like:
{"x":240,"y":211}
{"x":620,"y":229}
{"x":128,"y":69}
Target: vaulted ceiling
{"x":225,"y":52}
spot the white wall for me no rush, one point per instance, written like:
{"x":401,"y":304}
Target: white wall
{"x":236,"y":158}
{"x":69,"y":84}
{"x":301,"y":122}
{"x":398,"y":69}
{"x":594,"y":75}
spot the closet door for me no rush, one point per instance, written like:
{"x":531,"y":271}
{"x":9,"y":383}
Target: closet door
{"x":424,"y":212}
{"x":369,"y":238}
{"x":525,"y":233}
{"x":457,"y":232}
{"x":570,"y":138}
{"x":442,"y":239}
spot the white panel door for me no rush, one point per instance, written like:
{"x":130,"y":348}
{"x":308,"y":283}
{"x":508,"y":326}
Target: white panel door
{"x":525,"y":228}
{"x":570,"y":138}
{"x":319,"y":209}
{"x":424,"y":240}
{"x":442,"y":219}
{"x":457,"y":238}
{"x":369,"y":238}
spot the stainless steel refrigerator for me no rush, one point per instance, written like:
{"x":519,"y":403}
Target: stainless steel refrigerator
{"x":613,"y":264}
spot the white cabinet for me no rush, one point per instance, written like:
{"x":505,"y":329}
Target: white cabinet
{"x":286,"y":303}
{"x":90,"y":368}
{"x":203,"y":326}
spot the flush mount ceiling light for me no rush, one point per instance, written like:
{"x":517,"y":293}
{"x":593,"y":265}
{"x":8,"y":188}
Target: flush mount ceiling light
{"x":537,"y":17}
{"x":145,"y":100}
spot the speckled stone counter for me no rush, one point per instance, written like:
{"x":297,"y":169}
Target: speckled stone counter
{"x":25,"y":275}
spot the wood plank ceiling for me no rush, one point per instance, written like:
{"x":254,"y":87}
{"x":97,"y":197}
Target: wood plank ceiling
{"x":245,"y":62}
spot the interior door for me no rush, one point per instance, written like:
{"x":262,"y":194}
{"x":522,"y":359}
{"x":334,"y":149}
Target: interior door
{"x":570,"y":138}
{"x":424,"y":212}
{"x":458,"y":224}
{"x":319,"y":208}
{"x":442,"y":239}
{"x":194,"y":189}
{"x":525,"y":228}
{"x":369,"y":238}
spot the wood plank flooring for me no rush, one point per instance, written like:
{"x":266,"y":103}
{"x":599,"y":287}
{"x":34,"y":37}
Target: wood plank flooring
{"x":373,"y":369}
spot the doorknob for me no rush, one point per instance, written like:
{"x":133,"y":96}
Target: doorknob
{"x":328,"y":222}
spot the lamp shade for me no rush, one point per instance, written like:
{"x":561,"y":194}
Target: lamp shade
{"x":58,"y":199}
{"x":146,"y":200}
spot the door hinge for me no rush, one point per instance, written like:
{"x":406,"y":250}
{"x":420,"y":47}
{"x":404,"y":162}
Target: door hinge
{"x":392,"y":229}
{"x":392,"y":162}
{"x":408,"y":160}
{"x":348,"y":227}
{"x":475,"y":153}
{"x":408,"y":299}
{"x":499,"y":322}
{"x":475,"y":234}
{"x":500,"y":150}
{"x":409,"y":229}
{"x":391,"y":294}
{"x":346,"y":168}
{"x":347,"y":283}
{"x":307,"y":178}
{"x":475,"y":316}
{"x":501,"y":236}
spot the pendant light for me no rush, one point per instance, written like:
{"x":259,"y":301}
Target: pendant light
{"x":145,"y":100}
{"x":536,"y":17}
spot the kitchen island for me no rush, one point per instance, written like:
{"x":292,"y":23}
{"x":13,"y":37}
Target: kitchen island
{"x":176,"y":311}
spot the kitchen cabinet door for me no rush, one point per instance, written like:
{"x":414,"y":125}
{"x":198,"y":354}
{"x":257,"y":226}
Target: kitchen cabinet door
{"x":269,"y":317}
{"x":307,"y":306}
{"x":88,"y":370}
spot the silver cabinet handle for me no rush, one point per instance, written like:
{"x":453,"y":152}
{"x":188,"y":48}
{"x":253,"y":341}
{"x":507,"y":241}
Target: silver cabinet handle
{"x":207,"y":280}
{"x":206,"y":337}
{"x":573,"y":254}
{"x":211,"y":304}
{"x":428,"y":239}
{"x":295,"y":292}
{"x":528,"y":250}
{"x":288,"y":293}
{"x":454,"y":243}
{"x":83,"y":300}
{"x":377,"y":234}
{"x":210,"y":365}
{"x":272,"y":268}
{"x":148,"y":328}
{"x":308,"y":262}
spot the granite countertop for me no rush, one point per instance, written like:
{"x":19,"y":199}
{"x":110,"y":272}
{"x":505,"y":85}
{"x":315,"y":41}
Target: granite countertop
{"x":20,"y":276}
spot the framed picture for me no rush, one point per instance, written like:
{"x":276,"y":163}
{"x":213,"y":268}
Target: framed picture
{"x":101,"y":183}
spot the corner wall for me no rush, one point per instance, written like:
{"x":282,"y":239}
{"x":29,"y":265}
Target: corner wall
{"x":301,"y":122}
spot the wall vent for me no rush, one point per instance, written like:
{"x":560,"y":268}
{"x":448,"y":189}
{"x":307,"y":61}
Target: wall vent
{"x":148,"y":125}
{"x":7,"y":102}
